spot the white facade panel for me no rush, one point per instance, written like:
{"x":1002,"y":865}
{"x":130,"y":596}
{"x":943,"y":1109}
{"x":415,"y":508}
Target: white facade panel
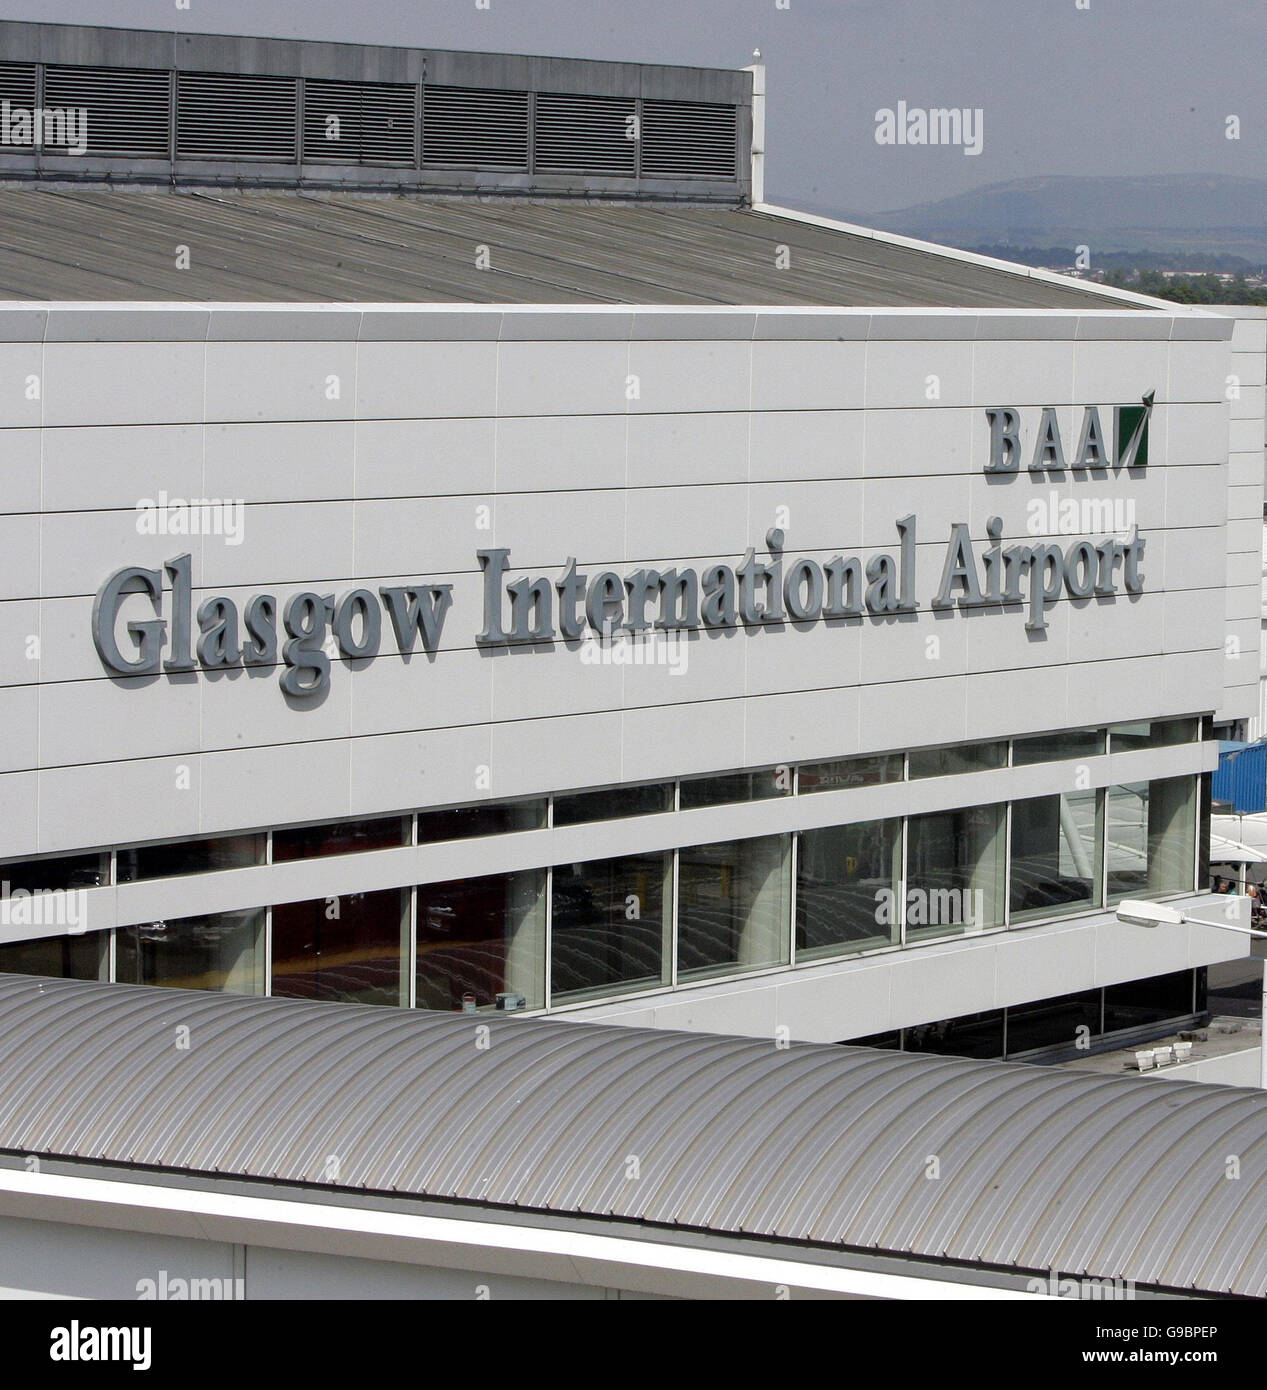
{"x":626,"y":442}
{"x":577,"y":477}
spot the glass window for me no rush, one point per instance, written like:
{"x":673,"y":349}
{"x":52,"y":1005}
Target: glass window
{"x":1138,"y":1003}
{"x":970,"y":1035}
{"x":347,"y":948}
{"x":1051,"y":748}
{"x":954,"y":877}
{"x":736,"y":786}
{"x":190,"y":857}
{"x":1065,"y":1021}
{"x":1055,"y":854}
{"x":1172,"y":834}
{"x":467,"y":822}
{"x":734,"y":906}
{"x":889,"y":1041}
{"x":612,"y":805}
{"x":1126,"y":840}
{"x":75,"y":871}
{"x":345,"y":837}
{"x":849,"y":772}
{"x":480,"y":940}
{"x":1151,"y":837}
{"x":609,"y":928}
{"x":846,"y":888}
{"x":224,"y":951}
{"x":1161,"y":733}
{"x":80,"y":957}
{"x":967,"y":757}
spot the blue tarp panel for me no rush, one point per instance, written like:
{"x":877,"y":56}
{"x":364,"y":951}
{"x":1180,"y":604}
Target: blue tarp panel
{"x":1241,"y":778}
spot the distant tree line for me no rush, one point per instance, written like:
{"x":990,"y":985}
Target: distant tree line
{"x":1187,"y":289}
{"x":1140,"y":271}
{"x":1219,"y":263}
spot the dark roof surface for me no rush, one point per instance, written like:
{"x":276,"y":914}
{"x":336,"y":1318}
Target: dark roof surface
{"x":97,"y":244}
{"x":1040,"y":1169}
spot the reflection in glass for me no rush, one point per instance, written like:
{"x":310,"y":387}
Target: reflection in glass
{"x":190,"y":857}
{"x":1151,"y":837}
{"x":1051,"y":748}
{"x":466,"y":822}
{"x":479,"y":938}
{"x":1067,"y":1021}
{"x":734,"y":905}
{"x":967,"y":757}
{"x":347,"y":948}
{"x":79,"y":957}
{"x":969,"y":1035}
{"x":611,"y":805}
{"x":736,"y":786}
{"x":849,"y":772}
{"x":224,"y":952}
{"x":345,"y":837}
{"x":846,"y":885}
{"x":954,"y":877}
{"x":1160,"y":733}
{"x":1141,"y":1002}
{"x":73,"y":871}
{"x":609,"y":927}
{"x":1055,"y":854}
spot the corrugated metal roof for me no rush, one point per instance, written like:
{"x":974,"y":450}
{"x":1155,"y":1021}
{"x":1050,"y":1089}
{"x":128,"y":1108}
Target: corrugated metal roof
{"x":1039,"y":1169}
{"x":95,"y":244}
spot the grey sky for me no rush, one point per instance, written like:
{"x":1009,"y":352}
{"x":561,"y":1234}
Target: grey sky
{"x":1124,"y":87}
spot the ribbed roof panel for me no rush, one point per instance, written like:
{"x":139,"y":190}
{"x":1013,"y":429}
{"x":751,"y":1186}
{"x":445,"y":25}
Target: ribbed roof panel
{"x":984,"y":1163}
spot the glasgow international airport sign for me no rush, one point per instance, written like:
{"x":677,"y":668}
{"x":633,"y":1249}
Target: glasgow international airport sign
{"x":164,"y":635}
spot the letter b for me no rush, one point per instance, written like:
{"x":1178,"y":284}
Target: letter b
{"x":1005,"y":440}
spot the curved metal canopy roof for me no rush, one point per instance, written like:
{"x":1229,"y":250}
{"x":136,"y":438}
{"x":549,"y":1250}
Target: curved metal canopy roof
{"x":1036,"y":1169}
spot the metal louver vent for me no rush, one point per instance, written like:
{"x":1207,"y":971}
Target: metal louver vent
{"x":128,"y":109}
{"x":224,"y":115}
{"x":359,"y":122}
{"x":473,"y":128}
{"x":17,"y":87}
{"x":688,"y":138}
{"x":584,"y":135}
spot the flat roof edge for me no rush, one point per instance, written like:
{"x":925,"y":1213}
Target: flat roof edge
{"x":52,"y":321}
{"x":71,"y":33}
{"x":1125,"y":297}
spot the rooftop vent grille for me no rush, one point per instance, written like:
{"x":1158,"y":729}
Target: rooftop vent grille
{"x":360,"y":123}
{"x":685,"y":138}
{"x":128,"y":109}
{"x":225,"y":115}
{"x":585,"y":135}
{"x":470,"y":128}
{"x":150,"y":114}
{"x":17,"y":87}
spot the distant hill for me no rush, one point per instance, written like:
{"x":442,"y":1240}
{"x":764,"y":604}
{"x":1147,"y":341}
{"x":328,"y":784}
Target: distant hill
{"x":1181,"y":213}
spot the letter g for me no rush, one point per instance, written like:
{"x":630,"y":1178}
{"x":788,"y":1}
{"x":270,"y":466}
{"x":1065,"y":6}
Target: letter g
{"x":148,"y":636}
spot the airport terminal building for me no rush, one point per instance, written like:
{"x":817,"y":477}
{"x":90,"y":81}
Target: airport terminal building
{"x":462,"y":549}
